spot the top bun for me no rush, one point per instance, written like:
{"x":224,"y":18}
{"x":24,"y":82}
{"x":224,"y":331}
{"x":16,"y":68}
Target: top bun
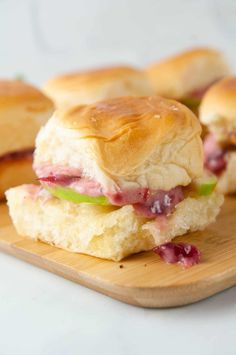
{"x":95,"y":85}
{"x":178,"y":76}
{"x":124,"y":142}
{"x":219,"y":104}
{"x":23,"y":110}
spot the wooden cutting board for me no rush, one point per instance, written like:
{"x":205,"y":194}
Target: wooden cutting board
{"x":143,"y":279}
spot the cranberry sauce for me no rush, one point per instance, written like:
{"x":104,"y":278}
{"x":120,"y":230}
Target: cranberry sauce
{"x":184,"y":254}
{"x":147,"y":203}
{"x":128,"y":197}
{"x":21,"y":154}
{"x":61,"y":180}
{"x":214,"y":155}
{"x":79,"y":184}
{"x":160,"y":203}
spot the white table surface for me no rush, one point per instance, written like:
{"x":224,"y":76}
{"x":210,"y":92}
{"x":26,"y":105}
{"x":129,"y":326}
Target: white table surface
{"x":43,"y":314}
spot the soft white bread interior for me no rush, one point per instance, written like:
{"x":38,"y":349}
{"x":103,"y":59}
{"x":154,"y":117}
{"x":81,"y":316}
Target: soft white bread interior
{"x":218,"y":108}
{"x":15,"y":172}
{"x":125,"y":143}
{"x":176,"y":77}
{"x":96,"y":85}
{"x":23,"y":110}
{"x":106,"y":232}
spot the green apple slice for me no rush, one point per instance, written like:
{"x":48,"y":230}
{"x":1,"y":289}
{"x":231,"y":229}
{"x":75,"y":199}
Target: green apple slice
{"x":65,"y":193}
{"x":205,"y":185}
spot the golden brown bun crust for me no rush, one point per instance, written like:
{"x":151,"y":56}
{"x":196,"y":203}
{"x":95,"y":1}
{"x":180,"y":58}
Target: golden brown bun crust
{"x":23,"y":110}
{"x":95,"y":85}
{"x":15,"y":92}
{"x":15,"y":172}
{"x":190,"y":70}
{"x":218,"y":107}
{"x":126,"y":131}
{"x":90,"y":77}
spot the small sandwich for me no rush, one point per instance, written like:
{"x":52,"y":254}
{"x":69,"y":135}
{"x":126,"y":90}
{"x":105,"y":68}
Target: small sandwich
{"x":187,"y":76}
{"x":117,"y":177}
{"x":218,"y":113}
{"x":23,"y":110}
{"x":95,"y":85}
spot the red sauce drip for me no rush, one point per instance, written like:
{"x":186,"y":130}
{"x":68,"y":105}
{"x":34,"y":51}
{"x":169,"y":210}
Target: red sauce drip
{"x":184,"y":254}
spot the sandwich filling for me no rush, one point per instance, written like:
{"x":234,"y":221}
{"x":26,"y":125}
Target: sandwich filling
{"x":216,"y":154}
{"x":147,"y":203}
{"x":17,"y":155}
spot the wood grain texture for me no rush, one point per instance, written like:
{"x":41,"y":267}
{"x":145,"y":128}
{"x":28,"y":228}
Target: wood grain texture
{"x":142,"y":279}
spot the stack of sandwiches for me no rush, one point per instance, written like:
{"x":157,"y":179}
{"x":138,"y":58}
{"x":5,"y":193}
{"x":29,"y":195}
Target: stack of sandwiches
{"x":120,"y":164}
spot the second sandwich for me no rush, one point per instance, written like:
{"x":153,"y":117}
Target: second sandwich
{"x":117,"y":177}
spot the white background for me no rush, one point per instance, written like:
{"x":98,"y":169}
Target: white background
{"x":41,"y":313}
{"x":44,"y":37}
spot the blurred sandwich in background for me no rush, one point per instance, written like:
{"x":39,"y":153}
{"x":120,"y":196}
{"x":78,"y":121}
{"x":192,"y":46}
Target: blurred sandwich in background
{"x":186,"y":76}
{"x":94,"y":85}
{"x":23,"y":110}
{"x":218,"y":113}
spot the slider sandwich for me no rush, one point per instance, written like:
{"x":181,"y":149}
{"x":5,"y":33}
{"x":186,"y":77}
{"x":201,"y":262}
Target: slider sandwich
{"x":95,"y":85}
{"x":117,"y":177}
{"x":23,"y":110}
{"x":218,"y":113}
{"x":187,"y":76}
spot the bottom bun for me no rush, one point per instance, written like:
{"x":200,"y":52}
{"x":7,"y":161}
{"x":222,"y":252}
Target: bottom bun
{"x":15,"y":172}
{"x":103,"y":231}
{"x":227,"y":180}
